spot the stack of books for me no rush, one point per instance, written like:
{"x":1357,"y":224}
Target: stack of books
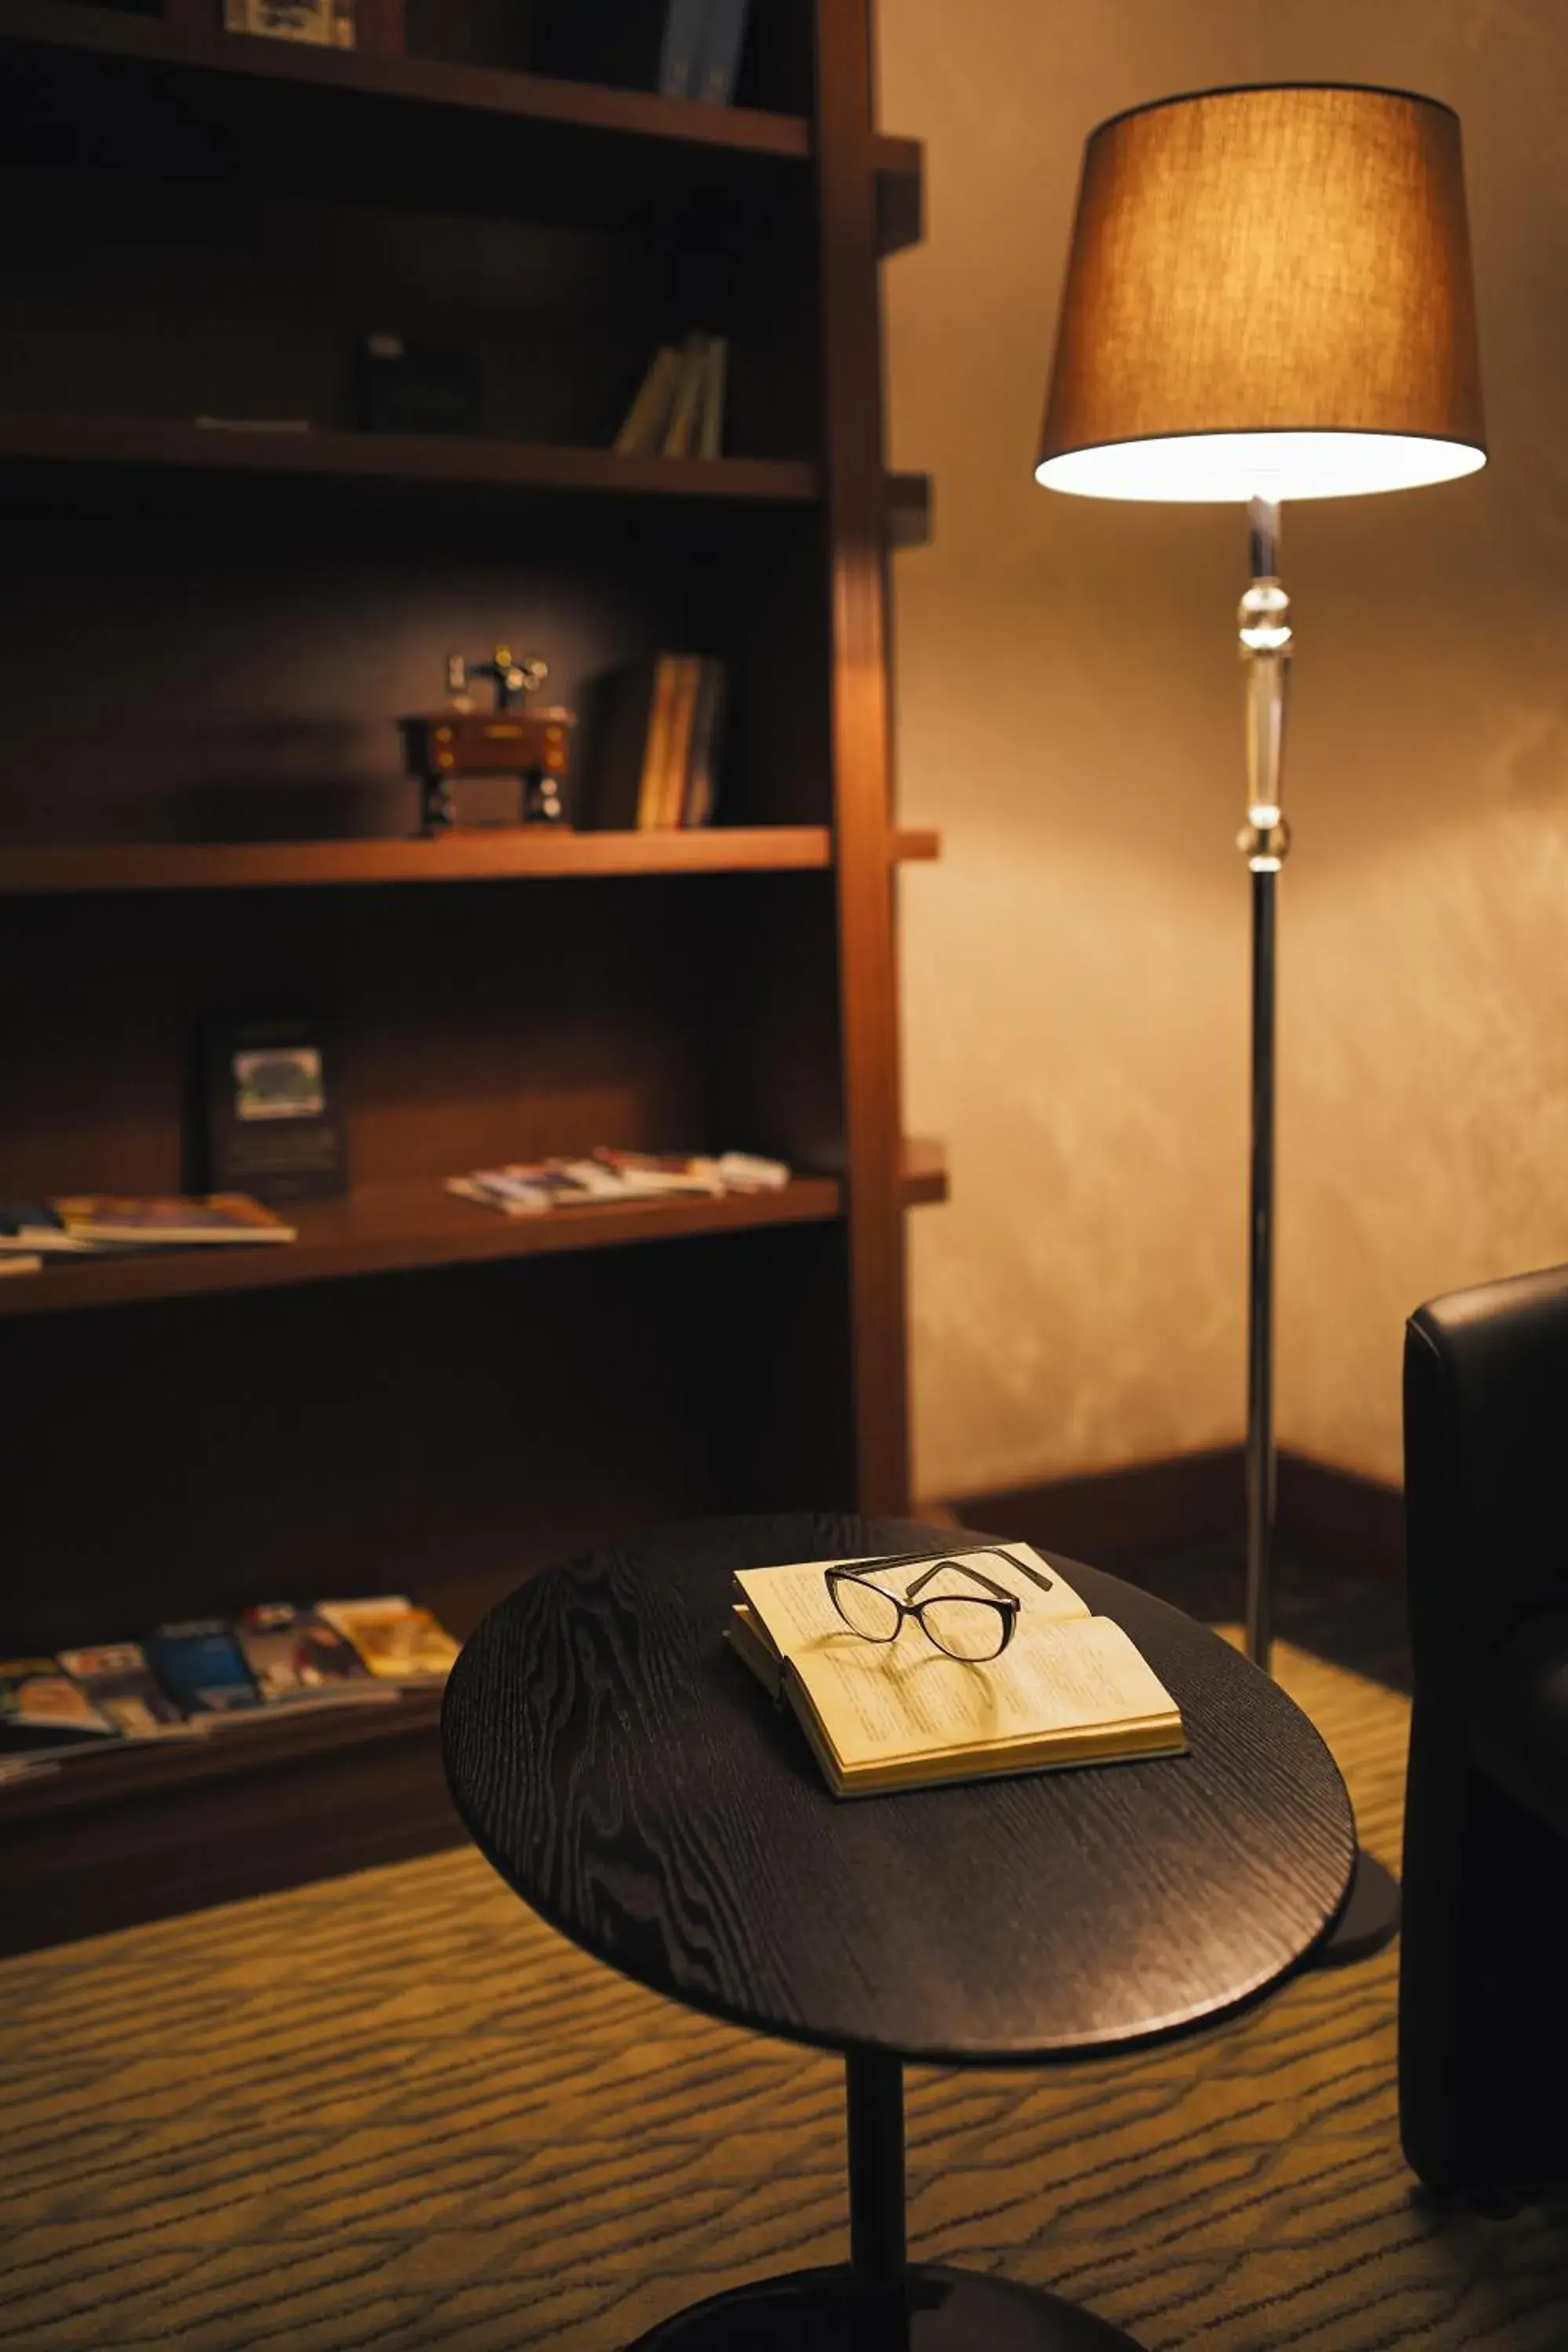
{"x":528,"y":1188}
{"x":679,"y":411}
{"x":96,"y":1225}
{"x":187,"y":1680}
{"x":658,"y":738}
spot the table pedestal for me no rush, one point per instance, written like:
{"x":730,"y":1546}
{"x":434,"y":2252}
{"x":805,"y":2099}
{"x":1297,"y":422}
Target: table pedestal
{"x":876,"y":2302}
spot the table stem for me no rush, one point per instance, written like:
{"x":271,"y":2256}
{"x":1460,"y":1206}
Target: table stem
{"x":874,"y":2096}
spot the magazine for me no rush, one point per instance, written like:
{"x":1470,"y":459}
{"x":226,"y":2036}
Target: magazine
{"x":297,"y":1659}
{"x":118,"y":1682}
{"x":42,"y":1707}
{"x":398,"y":1641}
{"x":200,"y":1665}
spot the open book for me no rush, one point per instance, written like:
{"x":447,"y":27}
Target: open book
{"x":1068,"y":1688}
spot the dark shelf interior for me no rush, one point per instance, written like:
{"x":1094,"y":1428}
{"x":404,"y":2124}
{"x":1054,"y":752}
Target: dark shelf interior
{"x":199,"y":109}
{"x":225,"y":702}
{"x":141,"y":97}
{"x":443,"y":1431}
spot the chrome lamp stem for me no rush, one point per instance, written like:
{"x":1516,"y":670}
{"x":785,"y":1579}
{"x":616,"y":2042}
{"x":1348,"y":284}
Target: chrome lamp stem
{"x":1264,"y":621}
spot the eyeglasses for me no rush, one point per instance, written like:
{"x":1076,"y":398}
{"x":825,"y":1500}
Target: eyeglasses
{"x":961,"y":1625}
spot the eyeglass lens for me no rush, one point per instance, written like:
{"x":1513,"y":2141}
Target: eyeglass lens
{"x":874,"y":1615}
{"x":966,"y":1629}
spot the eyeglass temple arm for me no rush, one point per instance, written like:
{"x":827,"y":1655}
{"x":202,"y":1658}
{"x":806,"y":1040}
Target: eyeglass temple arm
{"x":999,"y":1592}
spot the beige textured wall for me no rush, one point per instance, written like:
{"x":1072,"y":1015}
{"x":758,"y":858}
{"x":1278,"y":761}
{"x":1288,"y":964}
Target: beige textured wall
{"x":1069,"y":713}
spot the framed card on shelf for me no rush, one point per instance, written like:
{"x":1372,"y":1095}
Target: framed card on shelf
{"x":375,"y":27}
{"x":272,"y":1109}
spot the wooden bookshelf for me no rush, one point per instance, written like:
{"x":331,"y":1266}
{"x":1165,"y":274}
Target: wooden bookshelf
{"x":202,"y":813}
{"x":504,"y":855}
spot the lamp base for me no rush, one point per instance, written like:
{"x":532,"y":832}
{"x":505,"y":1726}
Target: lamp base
{"x":1370,"y":1920}
{"x":939,"y":2310}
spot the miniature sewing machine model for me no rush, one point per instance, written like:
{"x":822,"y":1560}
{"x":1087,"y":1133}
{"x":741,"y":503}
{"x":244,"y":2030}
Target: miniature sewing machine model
{"x":443,"y":748}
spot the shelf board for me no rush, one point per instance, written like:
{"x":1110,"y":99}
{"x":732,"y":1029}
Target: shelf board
{"x":911,"y":502}
{"x":399,"y":1228}
{"x":925,"y":1170}
{"x":900,"y":194}
{"x":55,"y":459}
{"x":515,"y":853}
{"x":257,"y":1740}
{"x":52,"y":461}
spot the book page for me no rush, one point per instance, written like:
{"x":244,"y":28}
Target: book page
{"x":795,"y":1610}
{"x":884,"y":1703}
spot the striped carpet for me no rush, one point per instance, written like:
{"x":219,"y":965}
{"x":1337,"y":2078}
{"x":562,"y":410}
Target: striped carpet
{"x":396,"y":2112}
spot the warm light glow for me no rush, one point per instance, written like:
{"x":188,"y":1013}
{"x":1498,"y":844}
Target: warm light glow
{"x":1214,"y":468}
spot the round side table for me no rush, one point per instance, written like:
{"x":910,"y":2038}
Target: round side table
{"x":628,"y":1777}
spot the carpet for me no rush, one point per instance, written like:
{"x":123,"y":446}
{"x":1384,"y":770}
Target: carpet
{"x":396,"y":2112}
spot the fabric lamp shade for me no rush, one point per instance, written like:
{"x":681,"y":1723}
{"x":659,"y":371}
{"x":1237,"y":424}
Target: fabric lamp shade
{"x":1268,"y":296}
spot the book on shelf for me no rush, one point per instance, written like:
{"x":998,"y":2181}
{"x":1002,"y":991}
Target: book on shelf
{"x":679,"y":407}
{"x":82,"y":1224}
{"x":643,"y":430}
{"x":529,"y":1188}
{"x":679,"y":48}
{"x":686,"y":410}
{"x":395,"y":1638}
{"x":718,"y":49}
{"x":667,"y":806}
{"x":699,"y":786}
{"x":711,"y":404}
{"x":886,"y":1714}
{"x":656,"y":762}
{"x":214,"y":1219}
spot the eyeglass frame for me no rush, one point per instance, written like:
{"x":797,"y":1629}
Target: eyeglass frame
{"x":1006,"y":1604}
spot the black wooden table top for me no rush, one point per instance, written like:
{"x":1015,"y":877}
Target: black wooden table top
{"x":629,"y":1778}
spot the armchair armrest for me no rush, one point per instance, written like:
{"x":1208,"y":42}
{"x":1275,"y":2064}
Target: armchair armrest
{"x":1517,"y":1730}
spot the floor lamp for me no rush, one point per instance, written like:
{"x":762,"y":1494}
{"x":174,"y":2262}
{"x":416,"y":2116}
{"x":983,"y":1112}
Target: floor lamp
{"x":1268,"y":296}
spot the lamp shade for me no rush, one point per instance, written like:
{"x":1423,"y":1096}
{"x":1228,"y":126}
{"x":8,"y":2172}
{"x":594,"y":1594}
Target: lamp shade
{"x":1268,"y":296}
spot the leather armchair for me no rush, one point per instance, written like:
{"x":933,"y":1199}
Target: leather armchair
{"x":1483,"y":2022}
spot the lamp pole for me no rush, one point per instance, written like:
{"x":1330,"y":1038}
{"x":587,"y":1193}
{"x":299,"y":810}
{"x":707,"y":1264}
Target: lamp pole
{"x":1371,"y":1916}
{"x":1264,"y":621}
